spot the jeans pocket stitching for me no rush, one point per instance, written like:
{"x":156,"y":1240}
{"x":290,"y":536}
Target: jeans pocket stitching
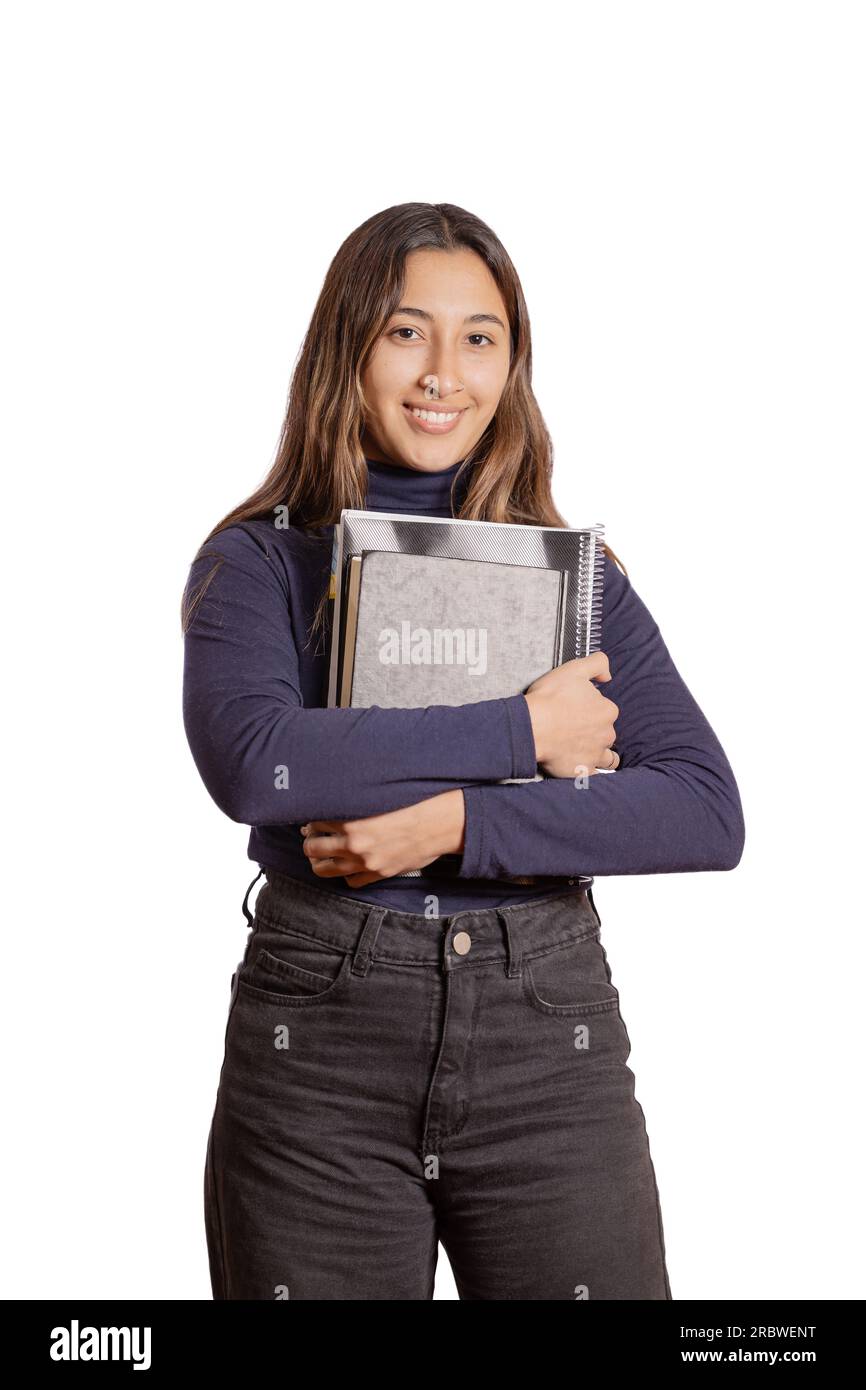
{"x":298,"y":1001}
{"x":544,"y":1006}
{"x":274,"y":965}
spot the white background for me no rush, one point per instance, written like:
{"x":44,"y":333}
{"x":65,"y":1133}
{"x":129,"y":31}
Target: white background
{"x":681,"y":188}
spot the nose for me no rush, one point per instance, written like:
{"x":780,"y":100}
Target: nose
{"x":442,"y":373}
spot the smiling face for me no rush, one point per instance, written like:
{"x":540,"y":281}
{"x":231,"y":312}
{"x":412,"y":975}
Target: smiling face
{"x":451,"y":323}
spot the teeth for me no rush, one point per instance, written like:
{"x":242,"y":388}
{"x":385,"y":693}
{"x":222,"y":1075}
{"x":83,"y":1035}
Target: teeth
{"x":437,"y":416}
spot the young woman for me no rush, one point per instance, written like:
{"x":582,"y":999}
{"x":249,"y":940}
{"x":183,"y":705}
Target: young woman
{"x":416,"y":1059}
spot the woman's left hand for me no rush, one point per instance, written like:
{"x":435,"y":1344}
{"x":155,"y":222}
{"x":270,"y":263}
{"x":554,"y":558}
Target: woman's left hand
{"x":379,"y":846}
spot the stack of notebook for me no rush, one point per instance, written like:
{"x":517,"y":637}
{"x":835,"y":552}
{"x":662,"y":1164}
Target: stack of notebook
{"x":439,"y":611}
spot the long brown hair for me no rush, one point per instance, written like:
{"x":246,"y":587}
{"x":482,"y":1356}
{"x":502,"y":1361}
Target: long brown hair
{"x":319,"y":466}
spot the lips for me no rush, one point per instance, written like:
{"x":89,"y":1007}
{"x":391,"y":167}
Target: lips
{"x":431,"y":426}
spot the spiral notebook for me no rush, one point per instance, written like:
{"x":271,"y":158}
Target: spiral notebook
{"x":440,"y":611}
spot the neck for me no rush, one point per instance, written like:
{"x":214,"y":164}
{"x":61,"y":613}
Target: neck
{"x":392,"y":487}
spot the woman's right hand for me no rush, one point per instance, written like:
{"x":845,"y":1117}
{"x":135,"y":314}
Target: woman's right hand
{"x":573,"y":723}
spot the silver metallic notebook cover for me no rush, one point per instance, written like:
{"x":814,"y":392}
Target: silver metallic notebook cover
{"x":579,"y":554}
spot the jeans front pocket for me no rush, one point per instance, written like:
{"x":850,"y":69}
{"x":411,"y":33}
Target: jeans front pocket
{"x":570,"y":980}
{"x":291,"y":969}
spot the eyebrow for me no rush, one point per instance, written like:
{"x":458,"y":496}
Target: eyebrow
{"x":471,"y":318}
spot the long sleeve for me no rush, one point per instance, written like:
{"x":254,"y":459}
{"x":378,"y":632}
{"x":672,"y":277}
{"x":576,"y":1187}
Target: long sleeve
{"x":672,"y":805}
{"x":266,"y":759}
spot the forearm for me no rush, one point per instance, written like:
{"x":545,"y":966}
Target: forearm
{"x":264,"y":764}
{"x":267,"y":758}
{"x":674,"y":817}
{"x":672,"y":806}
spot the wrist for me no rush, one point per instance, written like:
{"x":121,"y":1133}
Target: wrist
{"x":448,"y":827}
{"x":536,"y":719}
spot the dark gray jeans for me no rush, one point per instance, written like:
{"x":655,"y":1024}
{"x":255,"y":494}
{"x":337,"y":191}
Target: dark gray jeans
{"x":392,"y":1080}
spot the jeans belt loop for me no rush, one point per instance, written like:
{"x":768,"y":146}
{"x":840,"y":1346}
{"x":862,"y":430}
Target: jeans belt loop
{"x":367,"y":941}
{"x":512,"y":939}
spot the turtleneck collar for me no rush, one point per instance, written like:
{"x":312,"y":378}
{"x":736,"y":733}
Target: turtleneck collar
{"x":395,"y":488}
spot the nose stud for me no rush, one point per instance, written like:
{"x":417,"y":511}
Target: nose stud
{"x":431,"y":387}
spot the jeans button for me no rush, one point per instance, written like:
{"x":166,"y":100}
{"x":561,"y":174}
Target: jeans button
{"x":461,"y":943}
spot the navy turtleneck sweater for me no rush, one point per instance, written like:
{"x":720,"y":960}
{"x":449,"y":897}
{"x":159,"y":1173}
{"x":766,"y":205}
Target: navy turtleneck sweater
{"x":253,"y":703}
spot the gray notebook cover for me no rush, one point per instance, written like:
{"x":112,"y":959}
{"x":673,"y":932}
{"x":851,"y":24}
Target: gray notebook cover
{"x":434,"y":631}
